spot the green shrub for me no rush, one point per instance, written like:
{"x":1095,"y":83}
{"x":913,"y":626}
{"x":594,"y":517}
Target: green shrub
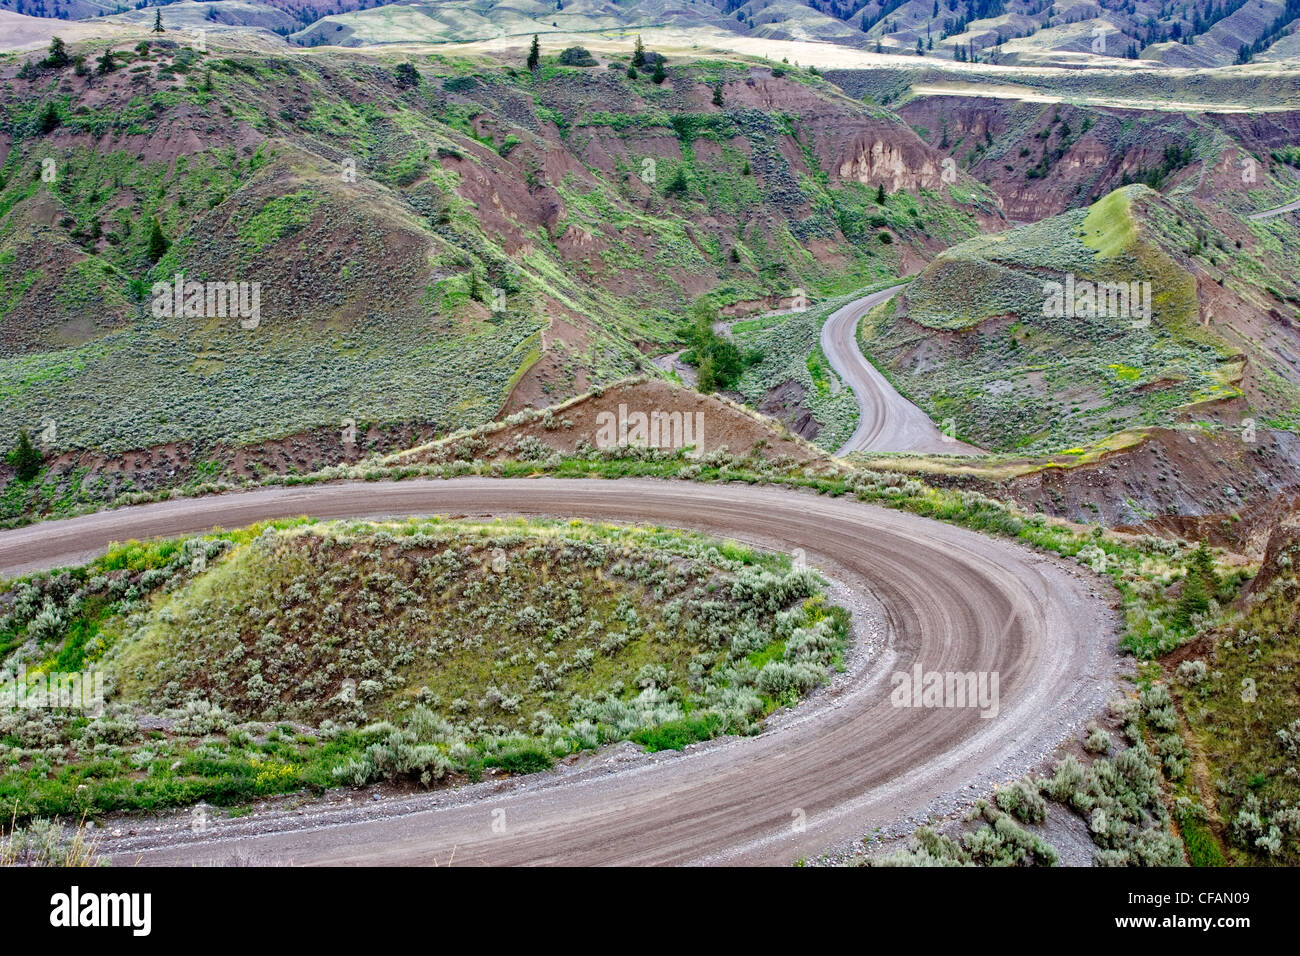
{"x":1022,"y":800}
{"x":25,"y":458}
{"x":577,"y":56}
{"x":1097,"y":741}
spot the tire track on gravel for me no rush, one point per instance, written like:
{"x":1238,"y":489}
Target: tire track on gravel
{"x":846,"y":762}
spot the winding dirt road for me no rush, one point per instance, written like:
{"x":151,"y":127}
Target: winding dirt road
{"x":886,"y":420}
{"x":1276,"y":211}
{"x":826,"y":774}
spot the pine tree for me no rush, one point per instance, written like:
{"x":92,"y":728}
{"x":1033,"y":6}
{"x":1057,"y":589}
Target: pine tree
{"x":717,"y":95}
{"x":707,"y":380}
{"x":58,"y":53}
{"x":638,"y":53}
{"x":50,"y":118}
{"x":25,"y":458}
{"x":534,"y":54}
{"x":659,"y":75}
{"x":158,"y":243}
{"x":157,"y":21}
{"x":880,"y":195}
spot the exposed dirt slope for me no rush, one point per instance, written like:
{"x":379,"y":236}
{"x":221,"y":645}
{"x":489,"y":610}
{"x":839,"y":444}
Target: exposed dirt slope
{"x":1280,"y":552}
{"x":593,"y":421}
{"x":1185,"y":483}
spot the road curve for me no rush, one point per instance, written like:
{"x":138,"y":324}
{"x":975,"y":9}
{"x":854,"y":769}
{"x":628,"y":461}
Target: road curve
{"x":835,"y":769}
{"x":1276,"y":211}
{"x":886,"y":420}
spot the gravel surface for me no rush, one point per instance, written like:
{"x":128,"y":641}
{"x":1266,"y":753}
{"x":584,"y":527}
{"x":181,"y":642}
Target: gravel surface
{"x":843,"y":765}
{"x":886,"y":420}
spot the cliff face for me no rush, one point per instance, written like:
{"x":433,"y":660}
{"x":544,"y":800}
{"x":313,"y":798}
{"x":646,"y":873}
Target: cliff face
{"x":897,"y":162}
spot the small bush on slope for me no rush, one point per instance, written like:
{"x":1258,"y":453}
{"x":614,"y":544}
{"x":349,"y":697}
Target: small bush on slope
{"x":1000,"y":841}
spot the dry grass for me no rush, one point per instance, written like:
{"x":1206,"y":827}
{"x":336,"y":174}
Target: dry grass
{"x":49,"y":843}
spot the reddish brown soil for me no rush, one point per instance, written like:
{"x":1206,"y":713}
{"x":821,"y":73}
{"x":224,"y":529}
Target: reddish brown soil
{"x":1177,"y":483}
{"x":724,"y":426}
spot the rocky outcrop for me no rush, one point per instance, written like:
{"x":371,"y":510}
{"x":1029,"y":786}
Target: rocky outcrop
{"x":873,"y":159}
{"x":1281,"y":554}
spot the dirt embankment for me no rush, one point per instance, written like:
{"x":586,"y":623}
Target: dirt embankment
{"x":651,"y":413}
{"x":1182,"y":483}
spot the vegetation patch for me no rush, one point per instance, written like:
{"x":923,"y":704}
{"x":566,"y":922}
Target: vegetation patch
{"x":975,"y":338}
{"x":302,"y":654}
{"x":1236,"y":690}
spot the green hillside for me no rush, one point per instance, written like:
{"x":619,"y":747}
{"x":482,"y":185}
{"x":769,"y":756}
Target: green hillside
{"x":981,"y":336}
{"x":426,"y":236}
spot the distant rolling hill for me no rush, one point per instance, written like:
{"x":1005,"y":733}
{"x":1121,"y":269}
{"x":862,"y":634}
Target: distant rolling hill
{"x":1199,"y":33}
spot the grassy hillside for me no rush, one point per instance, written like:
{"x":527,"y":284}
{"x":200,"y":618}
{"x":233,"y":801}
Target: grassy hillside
{"x":428,"y":242}
{"x":298,"y":654}
{"x":975,"y":337}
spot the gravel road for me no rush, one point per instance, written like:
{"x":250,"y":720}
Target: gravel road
{"x":886,"y":420}
{"x":828,"y":772}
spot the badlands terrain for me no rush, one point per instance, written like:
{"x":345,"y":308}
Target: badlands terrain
{"x":413,"y":411}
